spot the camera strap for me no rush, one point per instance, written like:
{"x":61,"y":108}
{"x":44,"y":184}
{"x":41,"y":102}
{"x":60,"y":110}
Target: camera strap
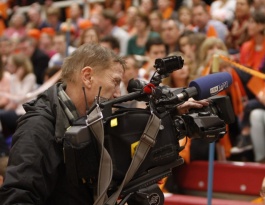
{"x":95,"y":123}
{"x":147,"y":141}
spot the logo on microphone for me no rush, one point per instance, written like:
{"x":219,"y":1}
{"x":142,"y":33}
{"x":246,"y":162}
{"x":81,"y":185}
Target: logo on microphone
{"x":218,"y":88}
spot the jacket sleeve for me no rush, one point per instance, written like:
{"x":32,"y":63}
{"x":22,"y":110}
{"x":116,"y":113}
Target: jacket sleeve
{"x":34,"y":161}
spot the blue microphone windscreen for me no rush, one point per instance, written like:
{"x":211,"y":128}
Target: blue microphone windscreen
{"x":211,"y":84}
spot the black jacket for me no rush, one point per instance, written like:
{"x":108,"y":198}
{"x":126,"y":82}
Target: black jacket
{"x":40,"y":62}
{"x":36,"y":172}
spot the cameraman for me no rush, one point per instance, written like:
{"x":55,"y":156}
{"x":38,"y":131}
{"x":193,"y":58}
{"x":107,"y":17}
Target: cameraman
{"x":36,"y":171}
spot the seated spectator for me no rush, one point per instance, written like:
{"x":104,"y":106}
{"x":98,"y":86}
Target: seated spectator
{"x":167,"y":9}
{"x":89,"y":35}
{"x":23,"y":81}
{"x":45,"y":43}
{"x":155,"y":48}
{"x":131,"y":72}
{"x":5,"y":83}
{"x":35,"y":19}
{"x":60,"y":46}
{"x":110,"y":42}
{"x":258,"y":5}
{"x":136,"y":44}
{"x":6,"y":48}
{"x":236,"y":91}
{"x":189,"y":44}
{"x":238,"y":30}
{"x":185,"y":17}
{"x":155,"y":21}
{"x":208,"y":47}
{"x":179,"y":78}
{"x":146,"y":6}
{"x":16,"y":29}
{"x":75,"y":14}
{"x":52,"y":19}
{"x":223,"y":10}
{"x":107,"y":26}
{"x":118,"y":6}
{"x":252,"y":52}
{"x":204,"y":24}
{"x":129,"y":26}
{"x":257,"y":127}
{"x":171,"y":30}
{"x":39,"y":59}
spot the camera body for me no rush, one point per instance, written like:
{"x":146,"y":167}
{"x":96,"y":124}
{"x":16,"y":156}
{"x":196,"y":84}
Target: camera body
{"x":81,"y":149}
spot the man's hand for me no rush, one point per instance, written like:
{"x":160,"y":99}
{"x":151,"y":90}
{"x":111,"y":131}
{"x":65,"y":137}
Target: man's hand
{"x":191,"y":103}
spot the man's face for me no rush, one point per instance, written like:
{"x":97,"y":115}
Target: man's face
{"x":109,"y":80}
{"x":185,"y":46}
{"x":157,"y":51}
{"x":200,"y":17}
{"x":91,"y":36}
{"x":59,"y":44}
{"x":242,"y":8}
{"x":5,"y":47}
{"x":33,"y":15}
{"x":181,"y":74}
{"x":26,"y":48}
{"x":163,"y":4}
{"x":170,"y":32}
{"x":102,"y":23}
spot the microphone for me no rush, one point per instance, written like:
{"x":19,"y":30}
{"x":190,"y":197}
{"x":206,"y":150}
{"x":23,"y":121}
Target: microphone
{"x":211,"y":84}
{"x":202,"y":88}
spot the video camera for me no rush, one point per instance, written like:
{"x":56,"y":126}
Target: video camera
{"x":124,"y":128}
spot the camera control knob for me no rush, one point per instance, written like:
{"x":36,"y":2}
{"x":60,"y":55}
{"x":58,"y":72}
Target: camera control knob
{"x":206,"y":113}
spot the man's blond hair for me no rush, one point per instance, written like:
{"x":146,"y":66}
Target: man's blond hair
{"x":97,"y":57}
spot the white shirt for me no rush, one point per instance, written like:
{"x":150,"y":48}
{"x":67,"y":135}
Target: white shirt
{"x":57,"y":58}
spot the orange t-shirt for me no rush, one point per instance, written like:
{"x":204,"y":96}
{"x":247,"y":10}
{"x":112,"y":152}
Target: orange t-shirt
{"x":251,"y":57}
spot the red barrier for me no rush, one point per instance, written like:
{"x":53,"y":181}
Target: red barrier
{"x":229,"y":177}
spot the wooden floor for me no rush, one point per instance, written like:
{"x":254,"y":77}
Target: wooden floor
{"x":176,"y":199}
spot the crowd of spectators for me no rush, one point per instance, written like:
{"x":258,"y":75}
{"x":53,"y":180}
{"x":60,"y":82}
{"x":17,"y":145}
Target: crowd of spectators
{"x":33,"y":44}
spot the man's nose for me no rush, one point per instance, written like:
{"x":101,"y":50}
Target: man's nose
{"x":117,"y":92}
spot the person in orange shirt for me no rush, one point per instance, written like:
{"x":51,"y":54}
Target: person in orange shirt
{"x":166,"y":8}
{"x":253,"y":51}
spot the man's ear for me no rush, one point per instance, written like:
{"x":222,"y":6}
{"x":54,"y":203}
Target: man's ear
{"x":86,"y":76}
